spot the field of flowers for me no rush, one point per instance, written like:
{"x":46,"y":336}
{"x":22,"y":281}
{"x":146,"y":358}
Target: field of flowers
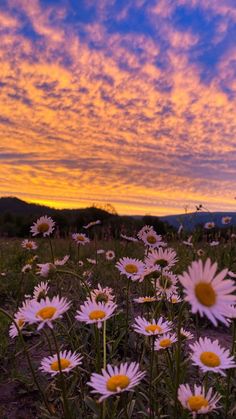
{"x":143,"y":327}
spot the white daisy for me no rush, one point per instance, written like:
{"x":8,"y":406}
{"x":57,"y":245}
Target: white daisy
{"x":45,"y":311}
{"x":165,"y":341}
{"x":147,"y":299}
{"x":209,"y":225}
{"x":44,"y":269}
{"x":26,"y":268}
{"x":208,"y":294}
{"x":103,"y":295}
{"x":200,"y":252}
{"x":199,"y":401}
{"x":91,"y":312}
{"x":145,"y":229}
{"x":61,"y":262}
{"x":29,"y":244}
{"x":110,"y":255}
{"x":186,"y":334}
{"x":40,"y":291}
{"x":80,"y":263}
{"x":92,"y":261}
{"x":210,"y":356}
{"x":161,"y":258}
{"x":153,"y":327}
{"x":166,"y":284}
{"x":129,"y":238}
{"x":44,"y":225}
{"x":174,"y":299}
{"x":132,"y":268}
{"x":115,"y":380}
{"x":152,"y":239}
{"x":226,"y":220}
{"x":214,"y":243}
{"x":19,"y":319}
{"x":80,"y":238}
{"x":91,"y":224}
{"x":68,"y":361}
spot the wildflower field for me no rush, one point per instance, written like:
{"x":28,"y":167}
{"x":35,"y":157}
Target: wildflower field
{"x":141,"y":327}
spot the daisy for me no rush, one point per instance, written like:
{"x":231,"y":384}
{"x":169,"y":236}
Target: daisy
{"x":92,"y":312}
{"x":226,"y":220}
{"x":29,"y":244}
{"x":115,"y":380}
{"x":110,"y":255}
{"x":149,"y":328}
{"x":214,"y":243}
{"x":26,"y":268}
{"x":165,"y":341}
{"x":132,"y":268}
{"x":61,"y":262}
{"x":19,"y":319}
{"x":142,"y":300}
{"x":92,"y":261}
{"x":129,"y":238}
{"x":210,"y":356}
{"x":80,"y":238}
{"x":208,"y":294}
{"x":68,"y":361}
{"x":93,"y":223}
{"x":149,"y":273}
{"x":152,"y":239}
{"x":80,"y":263}
{"x":100,"y":251}
{"x":44,"y":269}
{"x":165,"y":284}
{"x":44,"y":225}
{"x":198,"y":401}
{"x":40,"y":291}
{"x":186,"y":334}
{"x":209,"y":225}
{"x":45,"y":311}
{"x":174,"y":299}
{"x":102,"y":295}
{"x":161,"y":258}
{"x":144,"y":230}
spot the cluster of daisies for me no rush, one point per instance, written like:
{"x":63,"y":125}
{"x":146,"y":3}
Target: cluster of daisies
{"x":208,"y":292}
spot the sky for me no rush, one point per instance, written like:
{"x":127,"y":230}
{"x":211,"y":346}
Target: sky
{"x":127,"y":102}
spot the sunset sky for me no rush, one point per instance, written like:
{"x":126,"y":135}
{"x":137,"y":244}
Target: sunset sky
{"x":127,"y":102}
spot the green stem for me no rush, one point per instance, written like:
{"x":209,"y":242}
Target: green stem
{"x":28,"y":359}
{"x":48,"y":341}
{"x":63,"y":385}
{"x":51,"y":248}
{"x":127,"y":317}
{"x":104,"y":346}
{"x":178,"y":358}
{"x":229,"y":374}
{"x":151,"y":407}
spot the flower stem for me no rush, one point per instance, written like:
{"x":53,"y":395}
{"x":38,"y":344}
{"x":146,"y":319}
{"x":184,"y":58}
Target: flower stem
{"x":51,"y":248}
{"x":63,"y":385}
{"x":178,"y":359}
{"x":229,"y":374}
{"x":28,"y":359}
{"x":127,"y":317}
{"x":151,"y":407}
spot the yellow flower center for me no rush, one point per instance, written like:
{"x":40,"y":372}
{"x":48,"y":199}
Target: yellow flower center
{"x":164,"y":343}
{"x":131,"y":268}
{"x":20,"y":323}
{"x":210,"y":359}
{"x":197,"y":402}
{"x":153,"y":328}
{"x":97,"y":315}
{"x":151,"y":239}
{"x":174,"y":300}
{"x":46,"y":312}
{"x":29,"y":245}
{"x":43,"y":227}
{"x":148,"y":299}
{"x":205,"y":294}
{"x":118,"y":381}
{"x":65,"y":363}
{"x":80,"y":238}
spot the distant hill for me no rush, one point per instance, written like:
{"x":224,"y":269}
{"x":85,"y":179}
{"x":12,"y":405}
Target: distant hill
{"x":191,"y":220}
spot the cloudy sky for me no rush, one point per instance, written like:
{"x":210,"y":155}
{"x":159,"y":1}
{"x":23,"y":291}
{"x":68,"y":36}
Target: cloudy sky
{"x":128,"y":102}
